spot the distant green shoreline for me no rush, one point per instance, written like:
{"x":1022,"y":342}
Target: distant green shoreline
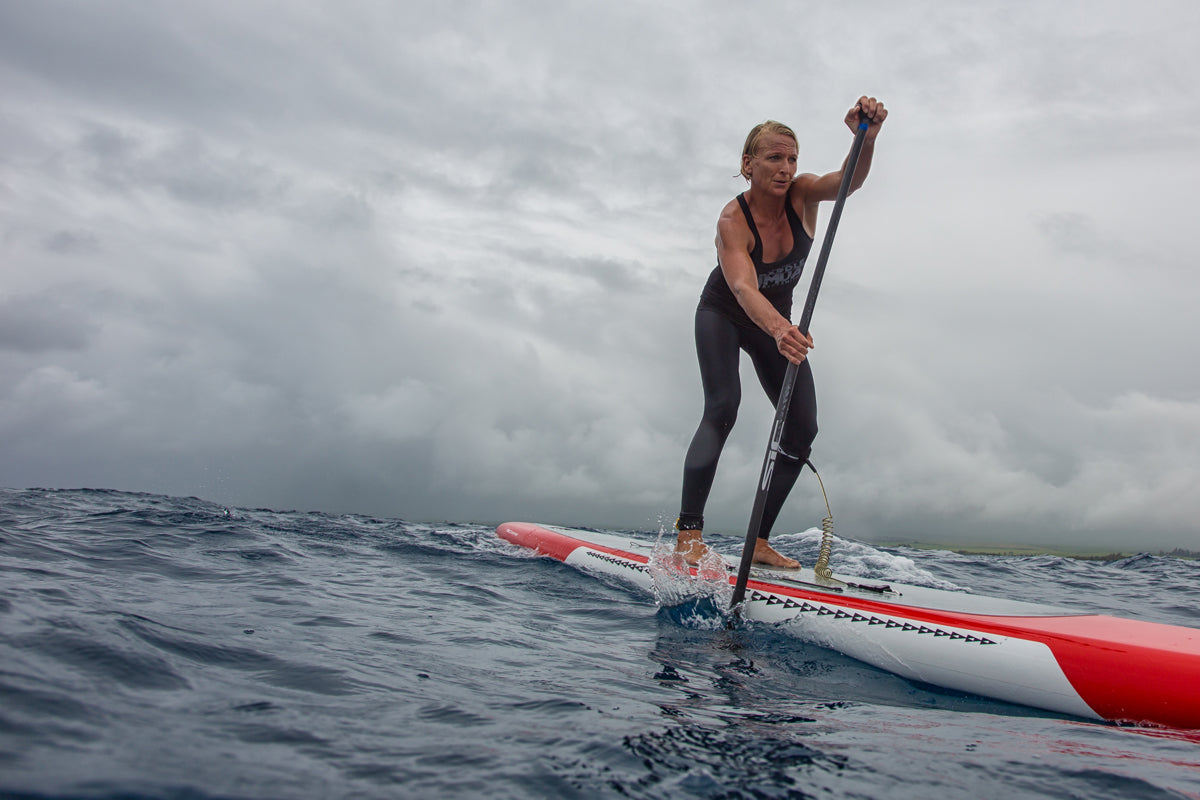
{"x":1033,"y":550}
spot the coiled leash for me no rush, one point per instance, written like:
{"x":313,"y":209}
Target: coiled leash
{"x":821,"y":568}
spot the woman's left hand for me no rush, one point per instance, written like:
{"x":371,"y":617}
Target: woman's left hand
{"x":872,"y":110}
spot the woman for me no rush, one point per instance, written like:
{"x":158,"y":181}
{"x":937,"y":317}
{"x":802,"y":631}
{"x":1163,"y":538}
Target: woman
{"x":763,"y":239}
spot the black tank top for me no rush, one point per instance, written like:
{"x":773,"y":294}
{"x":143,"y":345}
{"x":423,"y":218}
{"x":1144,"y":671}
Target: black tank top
{"x":776,"y":280}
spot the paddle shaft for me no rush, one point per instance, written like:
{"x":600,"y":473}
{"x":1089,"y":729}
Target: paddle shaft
{"x":789,"y":379}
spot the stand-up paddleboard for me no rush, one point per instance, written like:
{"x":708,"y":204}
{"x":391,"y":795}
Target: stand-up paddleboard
{"x":1088,"y":665}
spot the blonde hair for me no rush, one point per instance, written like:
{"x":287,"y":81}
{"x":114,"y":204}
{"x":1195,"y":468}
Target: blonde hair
{"x":757,"y":133}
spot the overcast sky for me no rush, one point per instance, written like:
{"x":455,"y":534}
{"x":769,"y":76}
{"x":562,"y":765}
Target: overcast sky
{"x":439,"y":260}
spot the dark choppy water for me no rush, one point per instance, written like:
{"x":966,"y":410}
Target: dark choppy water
{"x":163,"y":647}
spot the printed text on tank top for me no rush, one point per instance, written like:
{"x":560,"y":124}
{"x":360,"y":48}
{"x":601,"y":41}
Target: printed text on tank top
{"x":786,"y":270}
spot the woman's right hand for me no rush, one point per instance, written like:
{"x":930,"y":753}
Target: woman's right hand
{"x":793,"y":344}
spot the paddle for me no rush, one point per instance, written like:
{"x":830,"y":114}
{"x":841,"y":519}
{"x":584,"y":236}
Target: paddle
{"x":789,"y":379}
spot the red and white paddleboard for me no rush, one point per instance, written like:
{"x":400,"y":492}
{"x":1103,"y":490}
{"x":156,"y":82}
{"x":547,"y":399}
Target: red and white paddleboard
{"x":1088,"y":665}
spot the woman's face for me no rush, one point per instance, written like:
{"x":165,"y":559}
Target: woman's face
{"x":773,"y":165}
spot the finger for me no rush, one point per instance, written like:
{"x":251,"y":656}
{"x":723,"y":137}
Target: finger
{"x":871,"y":108}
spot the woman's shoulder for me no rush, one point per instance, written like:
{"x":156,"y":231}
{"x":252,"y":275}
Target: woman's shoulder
{"x":802,"y":186}
{"x":732,"y":213}
{"x":732,"y":225}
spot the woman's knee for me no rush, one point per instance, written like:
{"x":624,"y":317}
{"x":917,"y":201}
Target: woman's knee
{"x":721,"y":414}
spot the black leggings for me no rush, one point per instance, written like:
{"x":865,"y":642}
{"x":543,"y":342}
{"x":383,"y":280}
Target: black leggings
{"x":718,"y":342}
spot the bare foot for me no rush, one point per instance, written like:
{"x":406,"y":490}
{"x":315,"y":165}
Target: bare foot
{"x":690,"y":545}
{"x":768,"y":556}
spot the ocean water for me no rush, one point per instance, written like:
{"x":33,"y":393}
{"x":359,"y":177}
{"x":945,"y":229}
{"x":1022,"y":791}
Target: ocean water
{"x":158,"y":647}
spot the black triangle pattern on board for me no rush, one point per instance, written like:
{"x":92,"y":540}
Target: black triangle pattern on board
{"x":822,"y":611}
{"x":855,"y":616}
{"x":620,"y":562}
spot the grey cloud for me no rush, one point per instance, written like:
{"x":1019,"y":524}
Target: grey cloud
{"x":1075,"y":234}
{"x":72,"y":242}
{"x":327,"y":258}
{"x":187,"y":168}
{"x":39,"y":323}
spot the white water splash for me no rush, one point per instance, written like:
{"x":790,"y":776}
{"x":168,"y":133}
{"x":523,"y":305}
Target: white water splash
{"x":673,"y":583}
{"x":860,"y":560}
